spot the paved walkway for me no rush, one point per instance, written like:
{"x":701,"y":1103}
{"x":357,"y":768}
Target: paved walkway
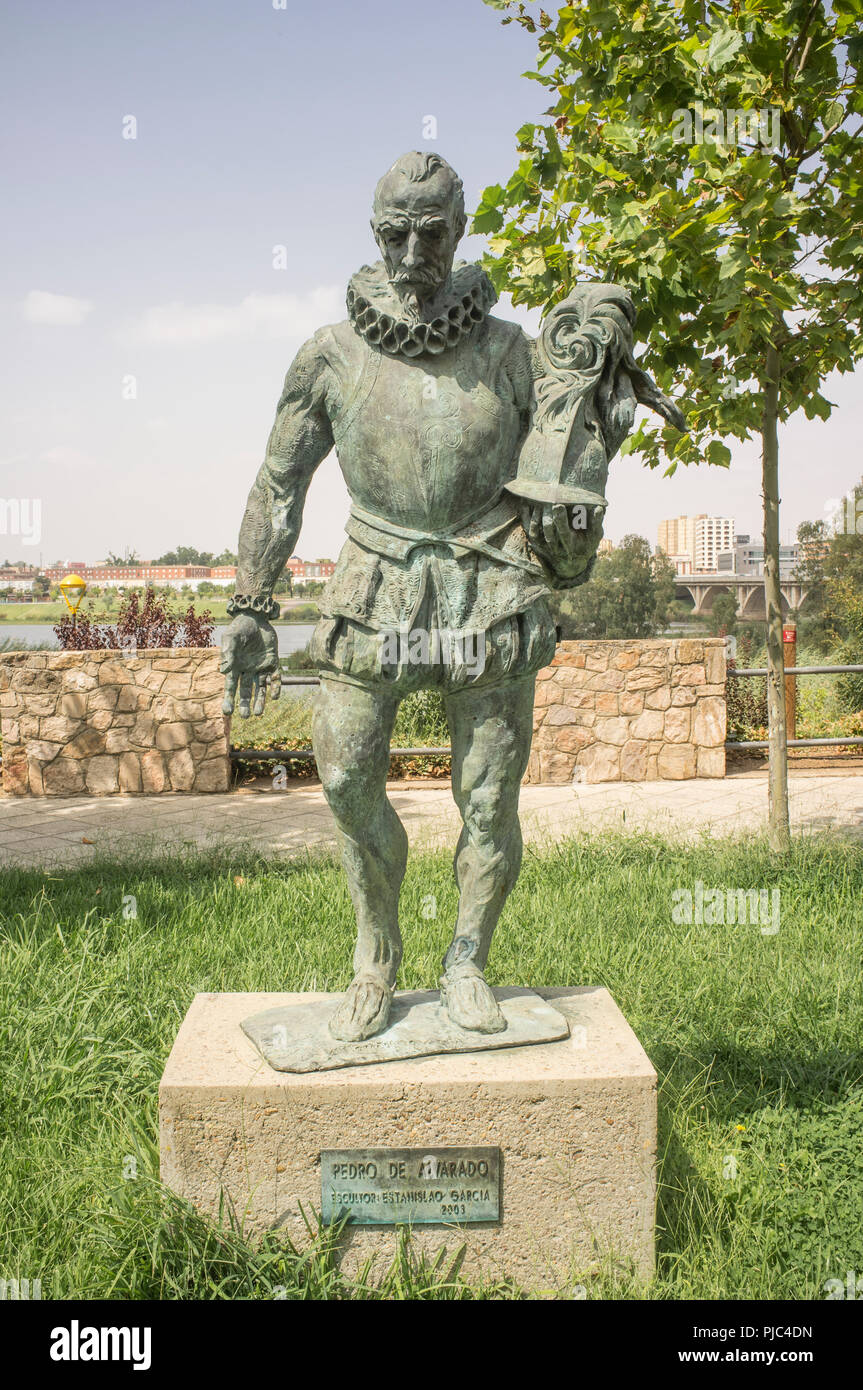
{"x":69,"y":830}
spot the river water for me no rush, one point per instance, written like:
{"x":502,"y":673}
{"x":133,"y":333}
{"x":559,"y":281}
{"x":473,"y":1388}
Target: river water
{"x":293,"y":637}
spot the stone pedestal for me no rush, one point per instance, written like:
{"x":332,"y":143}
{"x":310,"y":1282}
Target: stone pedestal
{"x":575,"y":1122}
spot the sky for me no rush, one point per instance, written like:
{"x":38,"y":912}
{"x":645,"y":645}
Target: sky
{"x":146,"y":328}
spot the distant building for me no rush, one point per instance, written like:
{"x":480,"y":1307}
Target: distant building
{"x":223,"y":574}
{"x":134,"y":576}
{"x":18,"y":577}
{"x":310,"y":569}
{"x":813,"y":551}
{"x":677,"y":539}
{"x":605,"y":546}
{"x":746,"y":559}
{"x":175,"y":576}
{"x":713,"y":535}
{"x":693,"y":544}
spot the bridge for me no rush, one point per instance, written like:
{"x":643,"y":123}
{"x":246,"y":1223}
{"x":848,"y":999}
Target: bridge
{"x":747,"y":589}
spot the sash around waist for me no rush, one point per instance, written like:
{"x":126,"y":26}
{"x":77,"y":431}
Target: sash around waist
{"x":469,"y":533}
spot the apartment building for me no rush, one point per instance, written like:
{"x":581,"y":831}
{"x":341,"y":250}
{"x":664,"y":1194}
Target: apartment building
{"x":693,"y":544}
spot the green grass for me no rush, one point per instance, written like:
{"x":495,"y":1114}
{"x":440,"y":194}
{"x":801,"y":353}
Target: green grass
{"x":756,"y":1039}
{"x":53,"y":610}
{"x":287,"y":723}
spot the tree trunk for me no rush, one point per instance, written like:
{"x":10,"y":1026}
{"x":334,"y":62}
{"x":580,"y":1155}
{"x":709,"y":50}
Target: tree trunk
{"x":778,"y":832}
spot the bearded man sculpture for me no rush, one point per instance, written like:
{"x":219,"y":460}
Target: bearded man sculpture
{"x":452,"y":549}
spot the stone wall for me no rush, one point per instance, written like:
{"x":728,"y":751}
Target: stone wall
{"x":104,"y":721}
{"x":630,"y":711}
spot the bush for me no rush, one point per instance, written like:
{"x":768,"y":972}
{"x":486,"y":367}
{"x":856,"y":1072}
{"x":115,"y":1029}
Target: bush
{"x":746,"y":706}
{"x":139,"y":627}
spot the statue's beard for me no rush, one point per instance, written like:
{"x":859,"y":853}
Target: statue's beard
{"x":415,"y":289}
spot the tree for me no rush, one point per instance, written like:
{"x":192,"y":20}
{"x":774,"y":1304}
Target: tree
{"x":129,"y":558}
{"x":813,"y":541}
{"x":187,"y":555}
{"x":704,"y":155}
{"x":843,"y":598}
{"x":628,"y":595}
{"x":724,"y":615}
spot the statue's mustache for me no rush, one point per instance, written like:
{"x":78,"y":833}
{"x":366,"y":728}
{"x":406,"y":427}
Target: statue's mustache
{"x":415,"y":277}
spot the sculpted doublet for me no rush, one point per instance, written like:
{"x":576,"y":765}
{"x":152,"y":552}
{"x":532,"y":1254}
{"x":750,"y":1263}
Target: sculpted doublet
{"x":426,"y":441}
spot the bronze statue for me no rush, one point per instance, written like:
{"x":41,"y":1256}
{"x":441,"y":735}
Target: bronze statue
{"x":476,"y":462}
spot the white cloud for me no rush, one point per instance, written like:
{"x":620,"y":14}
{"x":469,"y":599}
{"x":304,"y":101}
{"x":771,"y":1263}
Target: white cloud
{"x":261,"y":315}
{"x":41,"y":307}
{"x":62,"y":456}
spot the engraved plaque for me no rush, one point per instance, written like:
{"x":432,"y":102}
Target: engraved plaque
{"x":383,"y":1187}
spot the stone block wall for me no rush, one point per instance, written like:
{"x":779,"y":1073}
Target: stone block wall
{"x":630,"y":711}
{"x":105,"y":721}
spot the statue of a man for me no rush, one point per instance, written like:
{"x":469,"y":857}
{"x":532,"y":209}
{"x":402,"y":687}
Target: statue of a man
{"x":442,"y":583}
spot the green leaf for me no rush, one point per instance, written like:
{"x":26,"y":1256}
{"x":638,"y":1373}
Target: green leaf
{"x":488,"y":216}
{"x":724,"y":44}
{"x":718,"y":453}
{"x":620,"y":136}
{"x":732,"y":264}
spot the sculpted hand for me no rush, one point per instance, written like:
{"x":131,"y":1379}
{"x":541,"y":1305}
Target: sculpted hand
{"x":556,"y":536}
{"x":250,"y":660}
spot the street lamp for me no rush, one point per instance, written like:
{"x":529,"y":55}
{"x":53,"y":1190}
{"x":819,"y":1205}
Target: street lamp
{"x":73,"y":589}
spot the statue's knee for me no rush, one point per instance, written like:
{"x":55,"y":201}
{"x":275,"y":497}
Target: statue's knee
{"x":348,"y":793}
{"x":489,"y":813}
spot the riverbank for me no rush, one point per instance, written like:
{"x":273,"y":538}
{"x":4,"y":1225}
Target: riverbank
{"x":294,"y":610}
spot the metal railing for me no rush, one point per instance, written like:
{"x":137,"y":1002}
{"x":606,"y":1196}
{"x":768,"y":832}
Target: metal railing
{"x":792,"y":672}
{"x":261,"y":755}
{"x":269,"y":755}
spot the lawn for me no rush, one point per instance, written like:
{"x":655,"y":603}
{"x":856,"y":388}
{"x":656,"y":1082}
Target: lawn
{"x":97,"y":607}
{"x":756,"y":1039}
{"x":287,"y":722}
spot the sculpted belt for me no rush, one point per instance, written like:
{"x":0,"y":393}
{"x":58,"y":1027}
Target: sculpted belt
{"x":474,"y":532}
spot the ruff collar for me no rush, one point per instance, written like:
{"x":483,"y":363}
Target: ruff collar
{"x":378,"y":315}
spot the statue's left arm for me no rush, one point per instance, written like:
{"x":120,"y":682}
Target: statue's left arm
{"x":566,"y":554}
{"x":585,"y":388}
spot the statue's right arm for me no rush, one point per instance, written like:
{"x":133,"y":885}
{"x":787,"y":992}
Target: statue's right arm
{"x":300,"y":439}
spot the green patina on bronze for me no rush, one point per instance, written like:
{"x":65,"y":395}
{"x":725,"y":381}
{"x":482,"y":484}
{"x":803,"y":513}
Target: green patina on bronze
{"x":476,"y":462}
{"x":297,"y":1037}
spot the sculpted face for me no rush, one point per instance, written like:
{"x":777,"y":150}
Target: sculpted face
{"x":417,"y":229}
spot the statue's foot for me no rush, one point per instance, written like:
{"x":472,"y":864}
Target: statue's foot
{"x":364,"y":1010}
{"x":470,"y":1003}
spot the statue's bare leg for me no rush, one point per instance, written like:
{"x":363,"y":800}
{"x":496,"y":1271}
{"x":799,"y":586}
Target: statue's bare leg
{"x":491,"y":733}
{"x":351,"y":736}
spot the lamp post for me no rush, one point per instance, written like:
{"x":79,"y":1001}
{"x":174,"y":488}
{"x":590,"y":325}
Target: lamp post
{"x":73,"y":588}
